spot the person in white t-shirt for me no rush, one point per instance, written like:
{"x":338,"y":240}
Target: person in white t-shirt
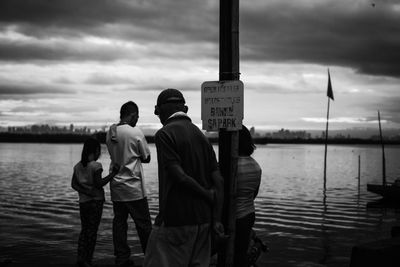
{"x":128,"y":148}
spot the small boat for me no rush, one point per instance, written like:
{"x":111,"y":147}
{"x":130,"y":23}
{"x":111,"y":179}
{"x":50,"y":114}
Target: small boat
{"x":388,"y":192}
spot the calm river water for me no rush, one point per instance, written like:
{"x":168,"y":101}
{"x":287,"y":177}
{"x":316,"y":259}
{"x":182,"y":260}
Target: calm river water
{"x":39,"y":216}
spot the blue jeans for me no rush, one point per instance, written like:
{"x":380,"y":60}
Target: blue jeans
{"x":139,"y":212}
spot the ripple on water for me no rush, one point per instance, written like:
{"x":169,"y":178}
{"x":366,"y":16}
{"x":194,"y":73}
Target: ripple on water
{"x":302,"y":224}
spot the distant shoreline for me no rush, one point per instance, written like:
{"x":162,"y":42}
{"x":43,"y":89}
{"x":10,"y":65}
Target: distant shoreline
{"x":69,"y":138}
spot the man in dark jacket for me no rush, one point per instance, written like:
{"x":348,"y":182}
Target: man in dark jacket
{"x":190,"y":189}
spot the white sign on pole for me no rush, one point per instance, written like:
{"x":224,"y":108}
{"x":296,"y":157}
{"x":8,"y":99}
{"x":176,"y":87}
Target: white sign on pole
{"x":222,"y":105}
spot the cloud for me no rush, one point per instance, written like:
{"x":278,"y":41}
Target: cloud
{"x":350,"y":120}
{"x":25,"y":49}
{"x":391,"y":109}
{"x":27,"y":89}
{"x":342,"y":33}
{"x":52,"y":109}
{"x":94,"y":54}
{"x":144,"y":20}
{"x":108,"y":79}
{"x":16,"y":47}
{"x":386,"y":102}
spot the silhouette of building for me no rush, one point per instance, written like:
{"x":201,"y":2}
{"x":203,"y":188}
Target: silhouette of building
{"x":46,"y":129}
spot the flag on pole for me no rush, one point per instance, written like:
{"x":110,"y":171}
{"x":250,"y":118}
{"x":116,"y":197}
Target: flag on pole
{"x":329,"y":92}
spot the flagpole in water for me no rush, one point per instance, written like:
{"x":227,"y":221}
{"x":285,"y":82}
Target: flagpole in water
{"x":330,"y":96}
{"x":326,"y":143}
{"x":383,"y":151}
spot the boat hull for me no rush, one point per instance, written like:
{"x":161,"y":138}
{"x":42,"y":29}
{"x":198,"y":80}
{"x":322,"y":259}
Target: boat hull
{"x":391,"y":192}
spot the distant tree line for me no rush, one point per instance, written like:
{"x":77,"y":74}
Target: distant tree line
{"x":101,"y":136}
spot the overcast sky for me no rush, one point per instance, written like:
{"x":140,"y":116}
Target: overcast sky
{"x":74,"y":61}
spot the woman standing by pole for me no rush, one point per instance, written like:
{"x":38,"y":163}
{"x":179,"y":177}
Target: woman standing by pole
{"x":248,"y":183}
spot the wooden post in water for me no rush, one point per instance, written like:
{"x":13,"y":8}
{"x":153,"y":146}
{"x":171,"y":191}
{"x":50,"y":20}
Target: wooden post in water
{"x":359,"y":171}
{"x":229,"y":140}
{"x":383,"y":151}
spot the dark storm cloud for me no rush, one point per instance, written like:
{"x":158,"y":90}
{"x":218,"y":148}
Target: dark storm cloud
{"x":23,"y":51}
{"x":62,"y":50}
{"x":26,"y":89}
{"x":68,"y":14}
{"x":343,"y":33}
{"x":144,"y":22}
{"x":147,"y":19}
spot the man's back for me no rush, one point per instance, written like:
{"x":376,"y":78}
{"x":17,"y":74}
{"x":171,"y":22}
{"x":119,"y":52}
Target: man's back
{"x":127,"y":145}
{"x":181,"y":142}
{"x":189,"y":189}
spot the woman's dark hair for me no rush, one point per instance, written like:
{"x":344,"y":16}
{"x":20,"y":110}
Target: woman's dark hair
{"x":91,"y":146}
{"x":246,"y":144}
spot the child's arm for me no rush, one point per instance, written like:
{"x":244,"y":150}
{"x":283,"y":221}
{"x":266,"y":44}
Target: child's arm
{"x":100,"y":182}
{"x":144,"y":150}
{"x":78,"y":187}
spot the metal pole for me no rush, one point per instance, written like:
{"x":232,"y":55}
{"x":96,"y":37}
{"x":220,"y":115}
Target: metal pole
{"x":326,"y":143}
{"x":228,"y":140}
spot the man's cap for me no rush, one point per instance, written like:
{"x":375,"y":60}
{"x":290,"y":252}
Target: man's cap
{"x":170,"y":95}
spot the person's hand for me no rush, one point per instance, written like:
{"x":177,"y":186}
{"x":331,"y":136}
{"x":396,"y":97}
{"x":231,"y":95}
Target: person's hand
{"x":212,"y":195}
{"x":219,"y":228}
{"x":115,"y":169}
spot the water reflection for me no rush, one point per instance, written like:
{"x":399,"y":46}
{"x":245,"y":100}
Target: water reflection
{"x":324,"y":231}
